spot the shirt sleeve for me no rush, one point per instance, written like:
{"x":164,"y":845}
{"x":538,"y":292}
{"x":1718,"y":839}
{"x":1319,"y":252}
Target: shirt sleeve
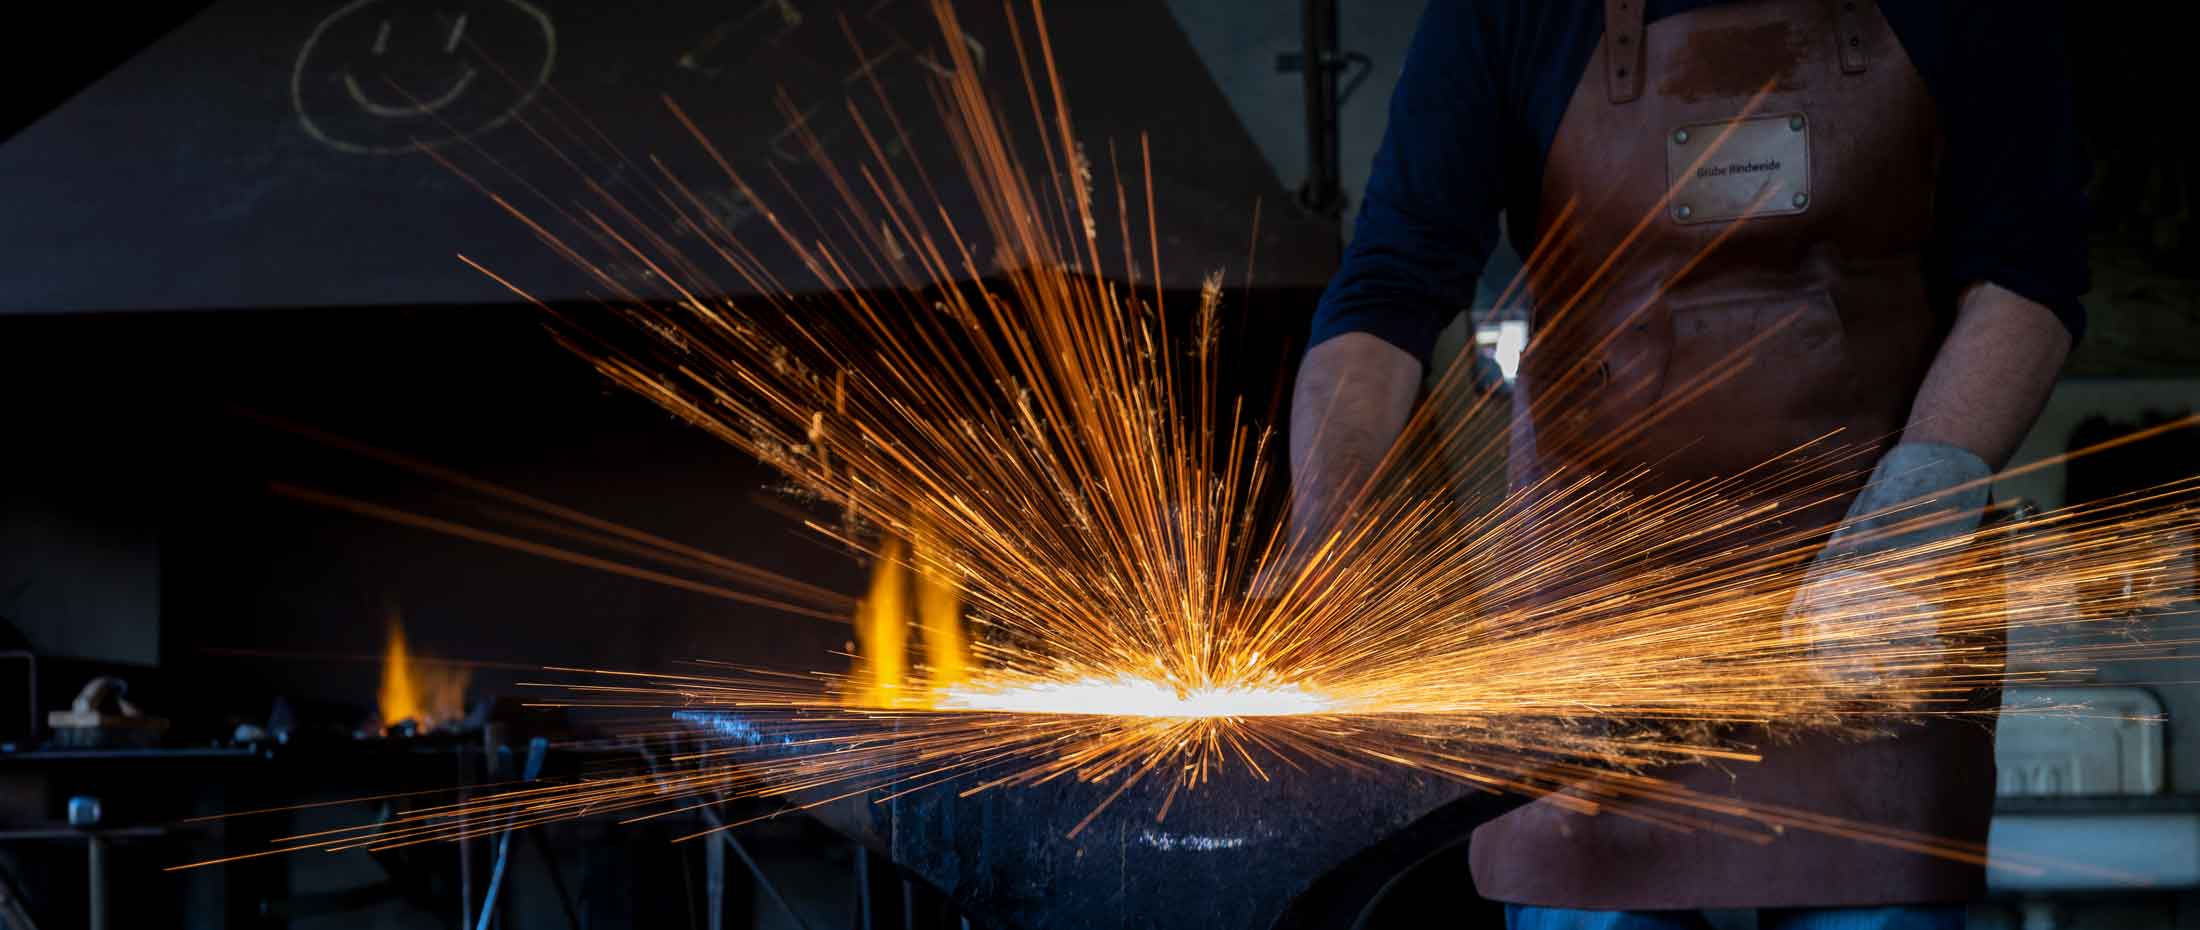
{"x":1428,"y":219}
{"x":2013,"y":176}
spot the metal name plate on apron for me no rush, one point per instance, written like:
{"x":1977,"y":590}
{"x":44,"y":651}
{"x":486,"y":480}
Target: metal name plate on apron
{"x":1760,"y":168}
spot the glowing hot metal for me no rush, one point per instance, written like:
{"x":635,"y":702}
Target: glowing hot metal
{"x":1131,"y":697}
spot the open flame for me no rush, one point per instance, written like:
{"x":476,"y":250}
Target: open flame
{"x":432,"y":696}
{"x":883,"y":675}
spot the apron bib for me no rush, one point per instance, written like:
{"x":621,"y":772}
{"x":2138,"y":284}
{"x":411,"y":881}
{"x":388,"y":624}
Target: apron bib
{"x":1751,"y":188}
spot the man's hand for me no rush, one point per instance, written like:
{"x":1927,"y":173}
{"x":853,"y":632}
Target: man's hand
{"x":1923,"y":502}
{"x":1986,"y":386}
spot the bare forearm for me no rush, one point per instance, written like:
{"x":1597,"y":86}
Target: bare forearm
{"x":1353,"y":396}
{"x":1991,"y":377}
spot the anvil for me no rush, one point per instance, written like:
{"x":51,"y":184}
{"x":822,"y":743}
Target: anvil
{"x":1300,"y":848}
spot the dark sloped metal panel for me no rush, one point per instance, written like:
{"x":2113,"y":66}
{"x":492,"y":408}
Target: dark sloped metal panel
{"x":268,"y":153}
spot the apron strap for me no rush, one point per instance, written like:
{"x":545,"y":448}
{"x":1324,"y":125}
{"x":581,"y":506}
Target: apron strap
{"x":1623,"y":53}
{"x":1624,"y":42}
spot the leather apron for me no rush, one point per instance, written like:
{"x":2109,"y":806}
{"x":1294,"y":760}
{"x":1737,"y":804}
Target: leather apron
{"x":1751,"y":188}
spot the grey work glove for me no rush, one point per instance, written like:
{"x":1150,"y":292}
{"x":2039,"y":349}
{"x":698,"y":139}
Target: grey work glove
{"x":1860,"y":626}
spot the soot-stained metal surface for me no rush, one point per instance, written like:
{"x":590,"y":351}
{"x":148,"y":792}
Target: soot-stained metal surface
{"x":272,"y":153}
{"x":1233,"y":853}
{"x":1238,"y":851}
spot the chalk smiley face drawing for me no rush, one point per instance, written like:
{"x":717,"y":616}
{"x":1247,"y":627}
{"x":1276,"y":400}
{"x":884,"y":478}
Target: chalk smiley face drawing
{"x":417,"y":108}
{"x":385,"y":77}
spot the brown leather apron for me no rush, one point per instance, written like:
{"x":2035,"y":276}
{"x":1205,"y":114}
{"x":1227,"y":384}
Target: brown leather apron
{"x":1751,"y":188}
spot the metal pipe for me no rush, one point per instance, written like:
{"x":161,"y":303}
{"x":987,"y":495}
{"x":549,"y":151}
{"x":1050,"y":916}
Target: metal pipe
{"x":865,"y":920}
{"x":96,"y":877}
{"x":465,"y":846}
{"x":714,"y":884}
{"x":1318,"y":66}
{"x":85,"y":815}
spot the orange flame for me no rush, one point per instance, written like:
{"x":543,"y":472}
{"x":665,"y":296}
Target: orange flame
{"x":882,"y":633}
{"x":939,"y":615}
{"x":883,"y":674}
{"x":431,"y":696}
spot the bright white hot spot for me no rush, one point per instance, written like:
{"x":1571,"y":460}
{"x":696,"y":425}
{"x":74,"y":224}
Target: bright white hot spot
{"x":1137,"y":697}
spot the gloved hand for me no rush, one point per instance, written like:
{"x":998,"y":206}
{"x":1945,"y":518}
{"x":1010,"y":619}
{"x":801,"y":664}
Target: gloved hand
{"x":1862,"y":627}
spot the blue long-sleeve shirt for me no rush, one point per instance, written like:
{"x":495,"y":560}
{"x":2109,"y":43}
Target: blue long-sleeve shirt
{"x":1486,"y":82}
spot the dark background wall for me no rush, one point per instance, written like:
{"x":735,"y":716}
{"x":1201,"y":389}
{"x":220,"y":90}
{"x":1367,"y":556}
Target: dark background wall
{"x":144,"y":470}
{"x":138,"y":451}
{"x":178,"y":165}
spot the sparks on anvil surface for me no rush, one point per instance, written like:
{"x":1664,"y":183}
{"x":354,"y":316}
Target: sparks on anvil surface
{"x":1133,"y":697}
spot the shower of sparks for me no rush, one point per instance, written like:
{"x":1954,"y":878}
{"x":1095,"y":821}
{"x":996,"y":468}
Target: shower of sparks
{"x":1073,"y":579}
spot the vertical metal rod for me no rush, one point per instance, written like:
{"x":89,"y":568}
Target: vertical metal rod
{"x":96,"y":877}
{"x":864,"y":920}
{"x":465,"y":883}
{"x":1319,"y":60}
{"x":465,"y":850}
{"x":714,"y":883}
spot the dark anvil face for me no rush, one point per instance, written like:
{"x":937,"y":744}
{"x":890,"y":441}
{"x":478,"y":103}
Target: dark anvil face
{"x":1232,"y":853}
{"x":1236,"y":852}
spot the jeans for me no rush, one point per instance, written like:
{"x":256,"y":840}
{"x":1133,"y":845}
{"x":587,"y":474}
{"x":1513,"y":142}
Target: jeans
{"x":1926,"y":917}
